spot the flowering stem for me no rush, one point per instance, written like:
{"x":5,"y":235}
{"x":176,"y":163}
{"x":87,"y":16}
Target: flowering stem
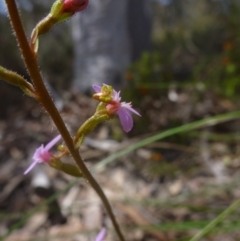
{"x":46,"y":101}
{"x":88,"y":126}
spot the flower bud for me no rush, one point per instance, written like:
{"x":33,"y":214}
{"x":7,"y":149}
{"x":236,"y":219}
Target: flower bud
{"x":74,"y":6}
{"x":61,"y":10}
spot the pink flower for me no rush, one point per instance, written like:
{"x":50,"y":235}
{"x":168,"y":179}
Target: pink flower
{"x":42,"y":154}
{"x":101,"y":235}
{"x":74,"y":6}
{"x":122,"y":109}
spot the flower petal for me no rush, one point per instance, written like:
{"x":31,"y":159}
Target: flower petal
{"x":97,"y":88}
{"x":31,"y":166}
{"x":42,"y":154}
{"x":125,"y":119}
{"x":123,"y":109}
{"x":52,"y":143}
{"x":101,"y":235}
{"x":116,"y":96}
{"x":38,"y":152}
{"x":129,"y":107}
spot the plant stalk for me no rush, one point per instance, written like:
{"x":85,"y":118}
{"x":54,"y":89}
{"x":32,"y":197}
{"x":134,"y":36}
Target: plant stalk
{"x":46,"y":101}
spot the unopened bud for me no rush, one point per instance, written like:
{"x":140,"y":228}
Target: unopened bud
{"x":74,"y":6}
{"x":61,"y":10}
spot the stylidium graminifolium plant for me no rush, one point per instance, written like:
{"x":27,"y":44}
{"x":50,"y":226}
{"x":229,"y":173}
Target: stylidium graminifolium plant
{"x":109,"y":105}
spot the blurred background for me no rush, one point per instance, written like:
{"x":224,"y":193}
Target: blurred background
{"x":178,"y":62}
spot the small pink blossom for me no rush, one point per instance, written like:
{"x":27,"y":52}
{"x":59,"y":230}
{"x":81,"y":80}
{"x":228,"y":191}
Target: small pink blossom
{"x":42,"y":154}
{"x":101,"y":235}
{"x":74,"y":6}
{"x":122,"y":109}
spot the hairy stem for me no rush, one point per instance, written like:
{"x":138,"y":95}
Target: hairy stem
{"x":45,"y":99}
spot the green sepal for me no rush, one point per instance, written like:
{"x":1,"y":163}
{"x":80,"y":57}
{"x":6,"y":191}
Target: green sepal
{"x":56,"y":7}
{"x":56,"y":11}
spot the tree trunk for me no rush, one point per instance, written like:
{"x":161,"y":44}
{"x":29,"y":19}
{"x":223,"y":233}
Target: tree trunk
{"x":107,"y":36}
